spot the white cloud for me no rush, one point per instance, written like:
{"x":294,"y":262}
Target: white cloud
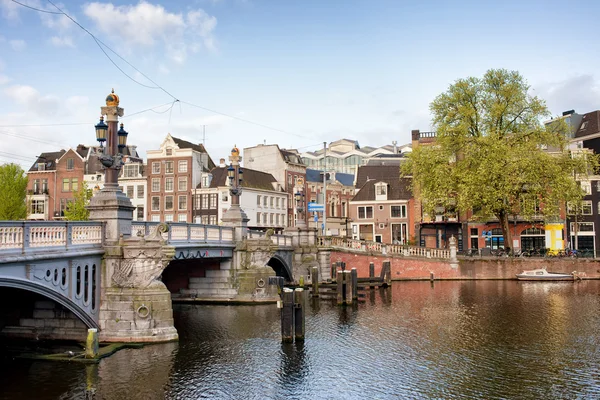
{"x":4,"y":79}
{"x":580,"y":92}
{"x":62,"y":41}
{"x":17,"y":44}
{"x":149,"y":25}
{"x":32,"y":99}
{"x":10,"y":10}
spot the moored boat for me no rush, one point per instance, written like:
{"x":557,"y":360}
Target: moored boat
{"x":542,"y":274}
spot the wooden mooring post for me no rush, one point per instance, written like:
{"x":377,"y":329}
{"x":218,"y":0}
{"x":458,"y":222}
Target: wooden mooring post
{"x":287,"y":316}
{"x":344,"y":288}
{"x":354,"y":279}
{"x":371,"y":273}
{"x":386,"y":274}
{"x":314,"y":275}
{"x":299,"y":318}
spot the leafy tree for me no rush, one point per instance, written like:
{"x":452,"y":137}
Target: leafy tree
{"x":76,"y":210}
{"x":493,"y":156}
{"x":13,"y":192}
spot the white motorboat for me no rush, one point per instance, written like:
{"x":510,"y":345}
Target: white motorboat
{"x":542,"y":275}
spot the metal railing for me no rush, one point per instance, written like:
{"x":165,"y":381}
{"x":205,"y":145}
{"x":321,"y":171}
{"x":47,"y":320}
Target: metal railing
{"x":26,"y":236}
{"x":383,"y":248}
{"x":184,"y":232}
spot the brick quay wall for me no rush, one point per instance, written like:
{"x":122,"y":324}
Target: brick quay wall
{"x":409,"y":268}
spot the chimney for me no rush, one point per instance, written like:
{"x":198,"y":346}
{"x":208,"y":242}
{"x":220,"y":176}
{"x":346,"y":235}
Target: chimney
{"x":222,"y":163}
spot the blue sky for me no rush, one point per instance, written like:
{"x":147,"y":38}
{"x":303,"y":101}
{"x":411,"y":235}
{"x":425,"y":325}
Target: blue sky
{"x":303,"y":72}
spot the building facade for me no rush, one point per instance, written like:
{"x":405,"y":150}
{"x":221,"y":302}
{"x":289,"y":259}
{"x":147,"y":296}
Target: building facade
{"x":172,"y":172}
{"x":340,"y":190}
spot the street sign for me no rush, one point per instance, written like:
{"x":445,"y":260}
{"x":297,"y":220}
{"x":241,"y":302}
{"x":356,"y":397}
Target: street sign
{"x":312,"y":207}
{"x":316,"y":217}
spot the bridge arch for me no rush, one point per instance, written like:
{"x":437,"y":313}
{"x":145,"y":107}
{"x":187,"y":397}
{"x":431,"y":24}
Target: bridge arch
{"x":87,"y":319}
{"x":281,"y":267}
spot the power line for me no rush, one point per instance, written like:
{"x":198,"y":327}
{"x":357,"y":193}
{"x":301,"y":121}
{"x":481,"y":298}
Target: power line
{"x":36,"y":9}
{"x":24,"y":158}
{"x":32,"y":138}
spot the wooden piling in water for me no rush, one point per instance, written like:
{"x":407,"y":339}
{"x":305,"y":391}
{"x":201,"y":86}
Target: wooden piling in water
{"x":354,"y":282}
{"x":340,"y":287}
{"x":299,"y":318}
{"x":91,"y":344}
{"x":314,"y":275}
{"x":287,"y":316}
{"x":348,"y":283}
{"x":371,"y":271}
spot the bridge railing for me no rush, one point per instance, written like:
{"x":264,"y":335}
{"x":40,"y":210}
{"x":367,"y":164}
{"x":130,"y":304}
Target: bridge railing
{"x":278,"y":239}
{"x":29,"y":236}
{"x":383,"y":248}
{"x":184,"y":232}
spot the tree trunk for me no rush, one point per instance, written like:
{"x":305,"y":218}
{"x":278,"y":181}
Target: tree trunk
{"x":503,"y":218}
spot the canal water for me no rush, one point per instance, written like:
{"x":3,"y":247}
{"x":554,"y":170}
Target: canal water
{"x":415,"y":340}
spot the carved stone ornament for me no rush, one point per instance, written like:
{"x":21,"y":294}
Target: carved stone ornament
{"x":143,"y":261}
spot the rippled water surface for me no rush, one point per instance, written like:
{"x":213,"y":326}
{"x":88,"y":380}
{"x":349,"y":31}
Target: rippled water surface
{"x":450,"y":340}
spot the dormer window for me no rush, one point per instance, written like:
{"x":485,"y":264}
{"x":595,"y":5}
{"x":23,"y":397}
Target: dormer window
{"x":169,"y":152}
{"x":381,"y":190}
{"x":41,"y":166}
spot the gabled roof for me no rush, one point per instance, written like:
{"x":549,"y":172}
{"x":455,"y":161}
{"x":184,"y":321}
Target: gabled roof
{"x":590,"y":125}
{"x":49,"y":159}
{"x":251,"y":178}
{"x":291,"y":156}
{"x":368,"y":176}
{"x":184,"y":144}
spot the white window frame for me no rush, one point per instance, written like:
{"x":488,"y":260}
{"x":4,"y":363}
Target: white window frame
{"x":182,"y":166}
{"x":156,"y":167}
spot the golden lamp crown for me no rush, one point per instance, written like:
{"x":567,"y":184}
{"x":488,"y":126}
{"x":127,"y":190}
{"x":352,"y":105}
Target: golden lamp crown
{"x":112,"y":100}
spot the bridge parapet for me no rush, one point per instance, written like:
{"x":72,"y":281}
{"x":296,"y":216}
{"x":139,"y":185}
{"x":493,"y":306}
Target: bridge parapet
{"x":383,"y":248}
{"x":279,"y":240}
{"x":184,"y":232}
{"x":32,"y":236}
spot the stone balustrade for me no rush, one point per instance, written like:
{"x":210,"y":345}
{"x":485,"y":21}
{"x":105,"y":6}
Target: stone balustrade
{"x":28,"y":236}
{"x":383,"y":248}
{"x":277,"y":239}
{"x":184,"y":232}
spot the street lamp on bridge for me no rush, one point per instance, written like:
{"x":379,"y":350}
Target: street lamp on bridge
{"x":299,"y":197}
{"x":110,"y":204}
{"x":234,"y":216}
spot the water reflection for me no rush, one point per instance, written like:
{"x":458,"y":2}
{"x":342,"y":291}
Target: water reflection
{"x":457,"y":339}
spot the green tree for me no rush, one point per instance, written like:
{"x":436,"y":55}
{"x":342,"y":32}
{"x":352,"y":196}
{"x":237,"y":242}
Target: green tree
{"x":494,"y":156}
{"x":76,"y":210}
{"x":13,"y":192}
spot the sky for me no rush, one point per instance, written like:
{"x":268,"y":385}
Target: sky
{"x":287,"y":72}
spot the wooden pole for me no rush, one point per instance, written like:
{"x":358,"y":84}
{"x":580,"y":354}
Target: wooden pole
{"x":287,"y":316}
{"x":299,"y":314}
{"x":340,"y":288}
{"x":314,"y":275}
{"x":91,"y":344}
{"x":371,"y":271}
{"x":354,"y":277}
{"x":349,"y":290}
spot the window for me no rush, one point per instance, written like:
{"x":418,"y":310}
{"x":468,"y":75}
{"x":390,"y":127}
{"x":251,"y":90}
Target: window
{"x":257,"y":218}
{"x":156,"y":184}
{"x":271,"y":218}
{"x":156,"y":218}
{"x":183,"y":166}
{"x":70,"y":164}
{"x":130,"y":191}
{"x":140,"y":213}
{"x":258,"y":201}
{"x":264,"y":218}
{"x":183,"y":202}
{"x":41,"y":166}
{"x":140,"y":191}
{"x":582,"y":227}
{"x":365,"y":212}
{"x":38,"y":206}
{"x":36,"y":186}
{"x":282,"y":203}
{"x":182,"y":218}
{"x":344,"y":212}
{"x":276,"y":219}
{"x":168,"y":167}
{"x":381,"y":189}
{"x":65,"y":185}
{"x":168,"y":217}
{"x":398,"y":211}
{"x":474,"y":232}
{"x":155,"y":203}
{"x":168,"y":203}
{"x":156,"y":167}
{"x":45,"y":186}
{"x":182,"y":184}
{"x":213,"y":201}
{"x":130,"y":170}
{"x":212,"y":219}
{"x":289,"y":180}
{"x":168,"y":184}
{"x":265,"y":200}
{"x":586,"y":187}
{"x":204,"y":201}
{"x":271,"y":201}
{"x":277,"y":202}
{"x":169,"y":152}
{"x":206,"y":180}
{"x":204,"y":219}
{"x":380,"y":208}
{"x":586,"y":207}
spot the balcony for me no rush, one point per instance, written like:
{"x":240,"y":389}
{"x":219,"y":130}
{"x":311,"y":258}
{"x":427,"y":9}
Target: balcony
{"x":37,"y":192}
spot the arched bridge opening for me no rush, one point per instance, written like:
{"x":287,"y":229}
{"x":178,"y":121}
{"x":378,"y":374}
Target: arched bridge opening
{"x":281,"y":267}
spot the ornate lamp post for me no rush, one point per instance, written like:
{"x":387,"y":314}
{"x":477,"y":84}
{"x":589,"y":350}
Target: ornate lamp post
{"x":299,"y":197}
{"x":110,"y":204}
{"x":235,"y":216}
